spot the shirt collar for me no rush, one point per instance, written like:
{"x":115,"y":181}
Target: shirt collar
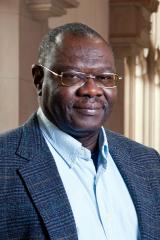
{"x":104,"y":149}
{"x":72,"y":149}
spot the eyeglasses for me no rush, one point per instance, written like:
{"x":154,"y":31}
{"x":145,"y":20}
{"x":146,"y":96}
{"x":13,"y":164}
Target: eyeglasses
{"x":69,"y":78}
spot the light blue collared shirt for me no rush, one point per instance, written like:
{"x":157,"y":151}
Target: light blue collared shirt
{"x":100,"y":201}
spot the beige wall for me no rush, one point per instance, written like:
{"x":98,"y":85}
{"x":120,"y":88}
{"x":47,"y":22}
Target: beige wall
{"x":20,"y":36}
{"x":91,"y":12}
{"x":30,"y":34}
{"x":9,"y":64}
{"x":19,"y":40}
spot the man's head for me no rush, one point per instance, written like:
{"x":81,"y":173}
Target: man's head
{"x":82,"y":107}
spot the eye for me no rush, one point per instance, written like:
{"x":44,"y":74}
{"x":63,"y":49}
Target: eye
{"x":74,"y":75}
{"x":105,"y":77}
{"x":70,"y":78}
{"x":70,"y":75}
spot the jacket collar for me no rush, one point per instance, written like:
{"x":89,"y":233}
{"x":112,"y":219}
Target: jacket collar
{"x":44,"y":184}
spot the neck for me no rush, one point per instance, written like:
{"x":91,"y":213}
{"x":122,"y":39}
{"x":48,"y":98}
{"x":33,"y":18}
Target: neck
{"x":89,"y":141}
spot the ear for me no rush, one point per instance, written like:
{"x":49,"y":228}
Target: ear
{"x":38,"y":74}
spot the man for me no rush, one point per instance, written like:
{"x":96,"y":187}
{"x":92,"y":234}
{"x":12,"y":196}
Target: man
{"x":63,"y":177}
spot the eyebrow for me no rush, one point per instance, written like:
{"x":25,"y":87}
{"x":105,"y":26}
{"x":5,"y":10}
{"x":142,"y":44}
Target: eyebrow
{"x":68,"y":67}
{"x":65,"y":67}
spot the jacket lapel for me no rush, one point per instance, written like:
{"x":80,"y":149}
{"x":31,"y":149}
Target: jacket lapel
{"x":135,"y":170}
{"x":44,"y":184}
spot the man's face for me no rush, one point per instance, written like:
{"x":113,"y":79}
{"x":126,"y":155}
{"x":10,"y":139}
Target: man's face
{"x":78,"y":110}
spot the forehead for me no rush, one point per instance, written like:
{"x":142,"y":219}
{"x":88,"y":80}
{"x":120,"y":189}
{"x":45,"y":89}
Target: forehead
{"x":81,"y":53}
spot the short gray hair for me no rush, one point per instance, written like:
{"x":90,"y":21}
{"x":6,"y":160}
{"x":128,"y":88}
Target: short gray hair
{"x":76,"y":29}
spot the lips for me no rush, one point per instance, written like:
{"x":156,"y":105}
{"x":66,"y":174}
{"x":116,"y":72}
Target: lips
{"x":87,"y":112}
{"x":88,"y":109}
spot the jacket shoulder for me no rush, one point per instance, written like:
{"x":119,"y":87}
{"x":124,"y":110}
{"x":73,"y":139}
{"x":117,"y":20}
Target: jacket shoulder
{"x":129,"y":144}
{"x":9,"y":140}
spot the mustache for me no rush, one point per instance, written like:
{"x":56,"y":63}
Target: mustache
{"x":96,"y":101}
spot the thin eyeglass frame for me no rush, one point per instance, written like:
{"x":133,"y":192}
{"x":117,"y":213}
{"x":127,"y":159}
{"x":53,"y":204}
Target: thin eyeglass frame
{"x":87,"y":76}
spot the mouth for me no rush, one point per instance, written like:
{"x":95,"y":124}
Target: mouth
{"x":88,"y":109}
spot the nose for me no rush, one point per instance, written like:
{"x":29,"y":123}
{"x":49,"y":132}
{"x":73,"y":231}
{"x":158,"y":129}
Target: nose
{"x":90,"y":89}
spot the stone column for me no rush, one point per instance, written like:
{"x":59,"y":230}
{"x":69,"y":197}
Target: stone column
{"x":129,"y":34}
{"x":9,"y":67}
{"x":20,"y":36}
{"x":33,"y":24}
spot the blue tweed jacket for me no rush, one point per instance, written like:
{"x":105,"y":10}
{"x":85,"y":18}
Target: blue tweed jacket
{"x":33,"y":202}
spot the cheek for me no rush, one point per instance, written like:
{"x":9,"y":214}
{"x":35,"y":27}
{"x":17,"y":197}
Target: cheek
{"x":61,"y":100}
{"x":111,"y":95}
{"x":63,"y":96}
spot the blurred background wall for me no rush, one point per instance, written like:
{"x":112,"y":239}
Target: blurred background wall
{"x":132,"y":27}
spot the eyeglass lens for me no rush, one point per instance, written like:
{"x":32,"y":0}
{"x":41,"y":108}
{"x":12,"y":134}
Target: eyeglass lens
{"x":101,"y":80}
